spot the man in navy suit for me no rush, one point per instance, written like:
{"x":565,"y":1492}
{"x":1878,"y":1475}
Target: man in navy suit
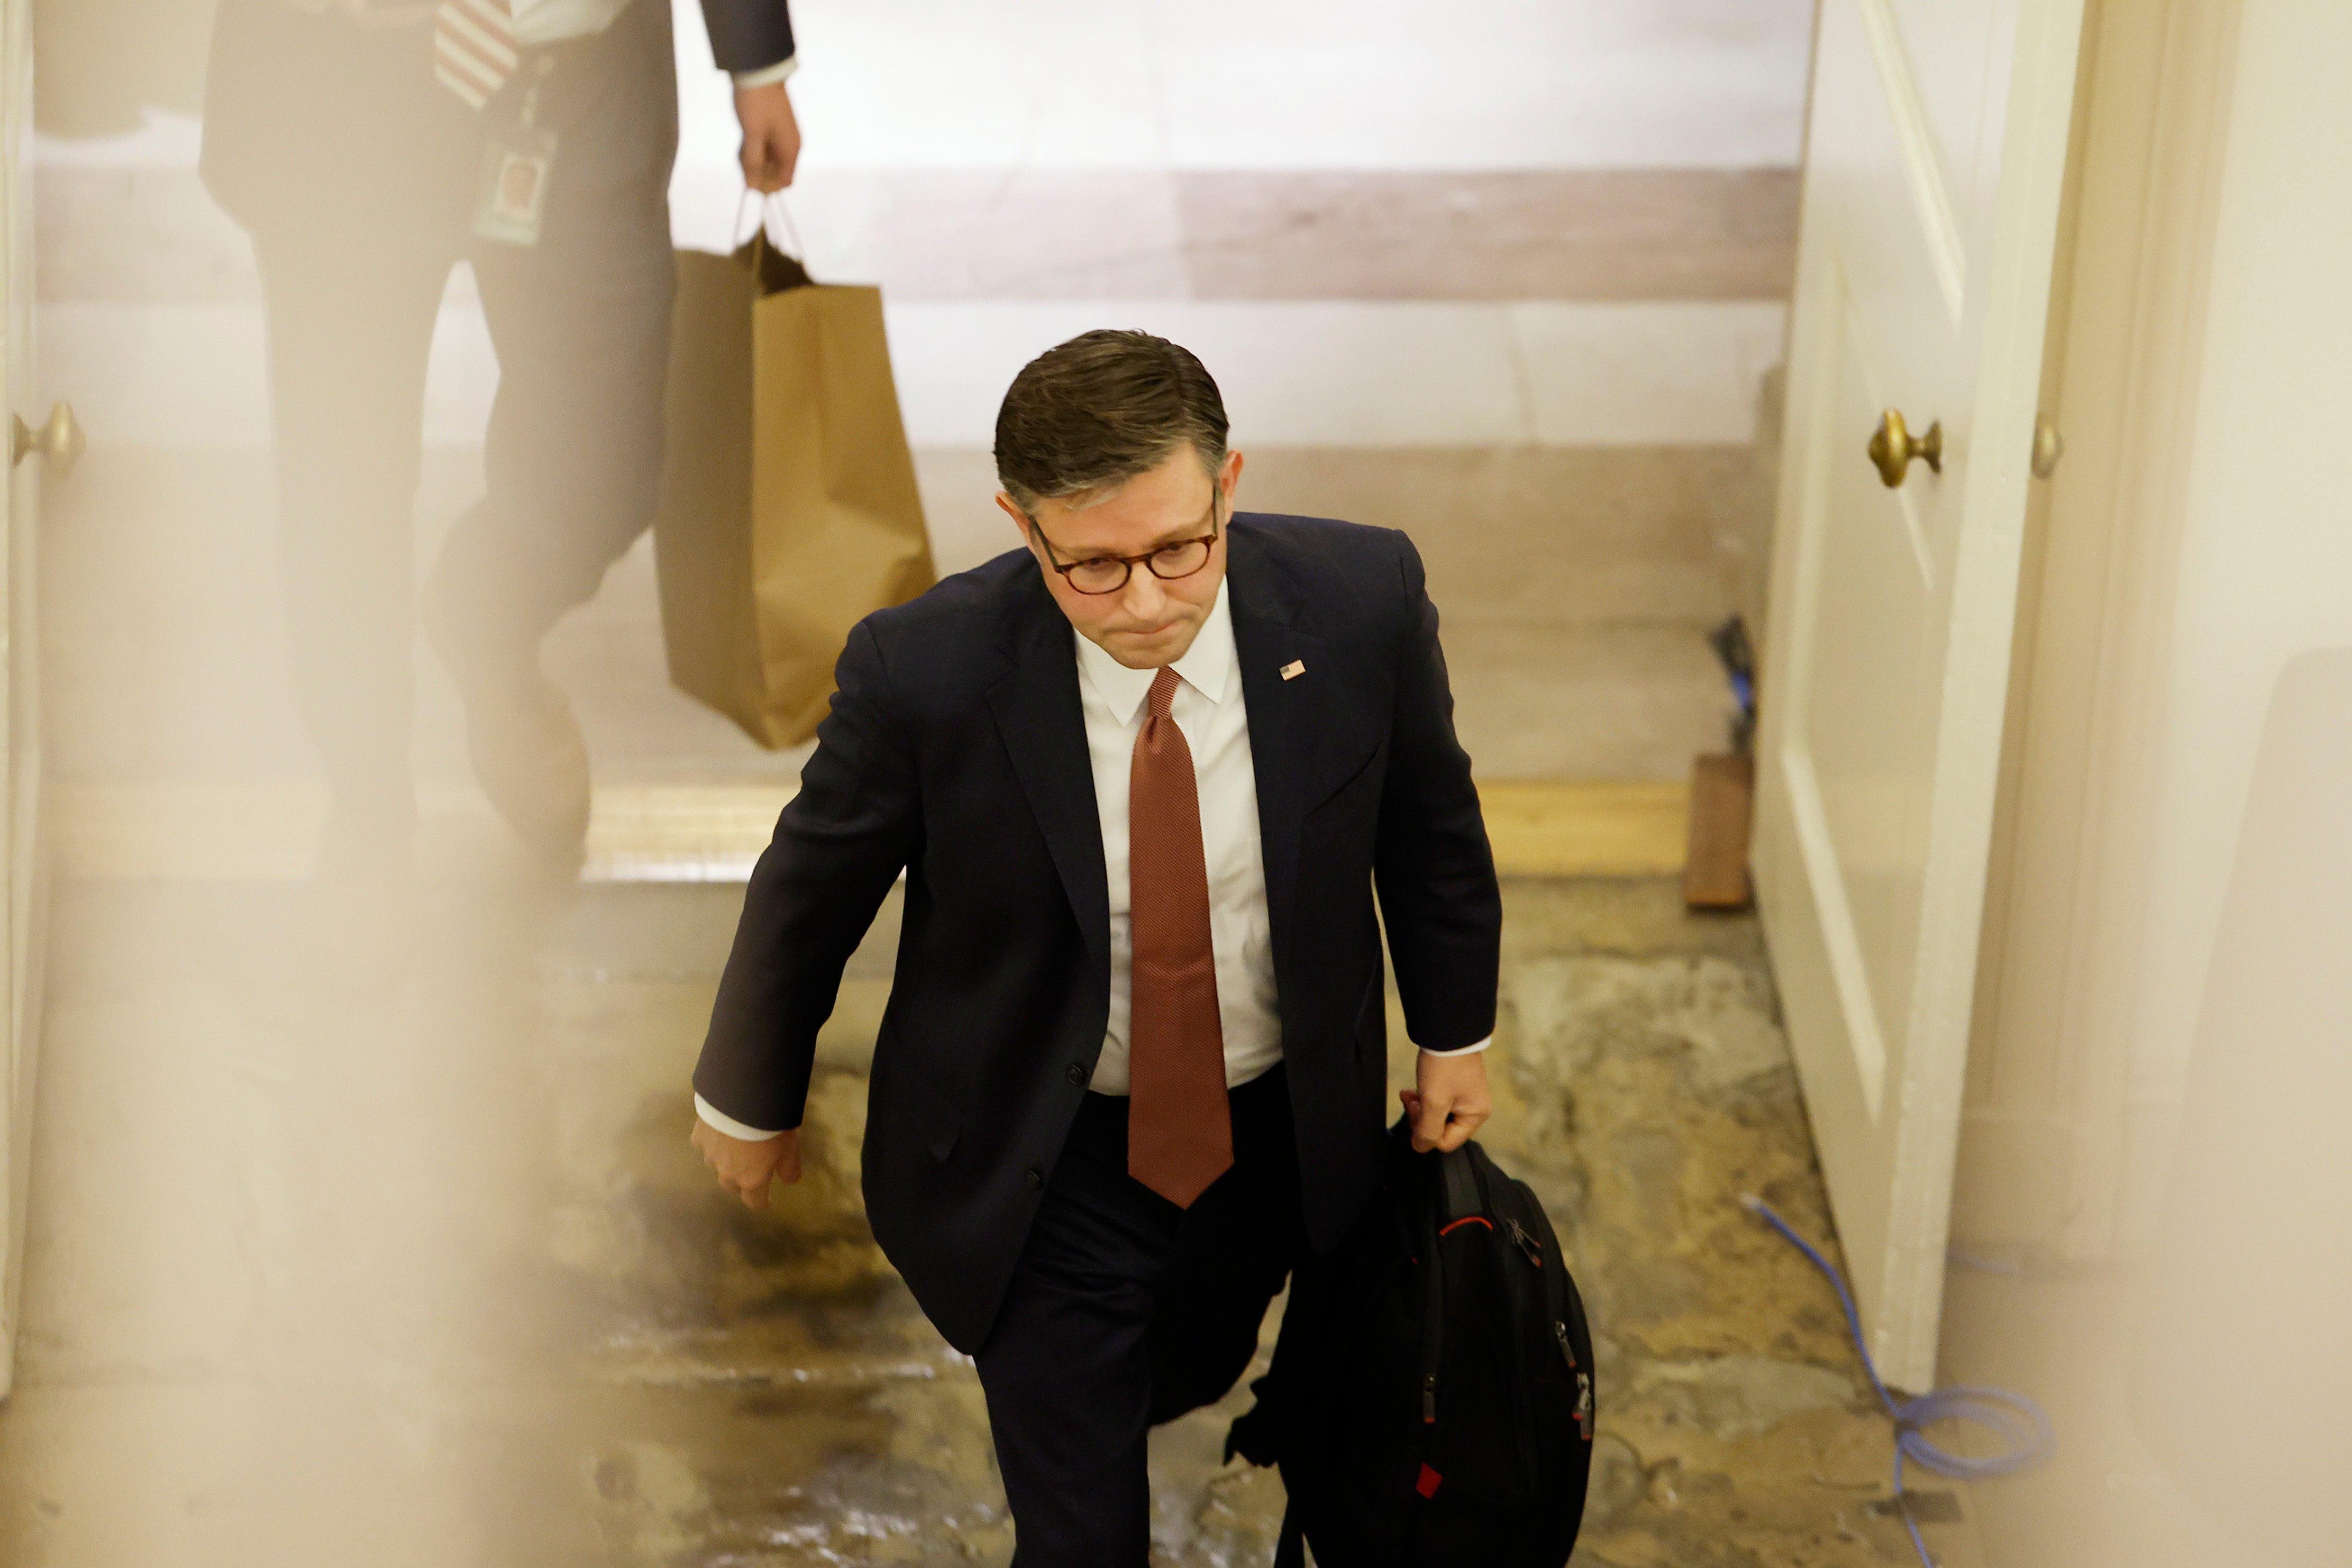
{"x":1157,"y":783}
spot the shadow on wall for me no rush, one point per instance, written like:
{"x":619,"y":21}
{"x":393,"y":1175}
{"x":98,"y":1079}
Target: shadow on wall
{"x":101,"y":63}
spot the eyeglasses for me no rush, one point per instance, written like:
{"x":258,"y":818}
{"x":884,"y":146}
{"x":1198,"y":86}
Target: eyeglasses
{"x":1108,"y":573}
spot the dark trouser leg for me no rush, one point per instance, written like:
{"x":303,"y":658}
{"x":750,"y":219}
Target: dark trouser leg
{"x":582,"y":325}
{"x":1065,"y":1368}
{"x":350,"y":325}
{"x":1234,"y":1253}
{"x":1124,"y":1310}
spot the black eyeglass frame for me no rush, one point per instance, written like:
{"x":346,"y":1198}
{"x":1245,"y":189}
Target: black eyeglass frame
{"x":1129,"y":563}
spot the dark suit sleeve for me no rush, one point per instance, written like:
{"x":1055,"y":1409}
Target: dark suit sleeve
{"x":1431,"y":863}
{"x":749,"y":34}
{"x":855,"y":824}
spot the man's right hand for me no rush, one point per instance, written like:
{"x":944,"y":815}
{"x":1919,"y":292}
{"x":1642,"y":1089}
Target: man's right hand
{"x":745,"y":1168}
{"x":771,"y":136}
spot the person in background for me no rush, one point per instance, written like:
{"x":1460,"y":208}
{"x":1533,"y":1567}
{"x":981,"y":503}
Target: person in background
{"x":367,"y":146}
{"x":1144,"y":778}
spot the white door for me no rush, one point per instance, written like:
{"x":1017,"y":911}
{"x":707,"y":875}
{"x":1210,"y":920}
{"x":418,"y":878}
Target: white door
{"x":49,"y":446}
{"x":1934,"y":163}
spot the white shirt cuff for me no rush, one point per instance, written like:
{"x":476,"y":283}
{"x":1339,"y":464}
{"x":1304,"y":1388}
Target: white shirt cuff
{"x":768,"y":76}
{"x":720,"y":1121}
{"x":1464,"y":1051}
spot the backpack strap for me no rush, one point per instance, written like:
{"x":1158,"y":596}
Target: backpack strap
{"x":1460,"y":1180}
{"x":1433,"y":1300}
{"x":1555,"y":1277}
{"x":1452,"y":1194}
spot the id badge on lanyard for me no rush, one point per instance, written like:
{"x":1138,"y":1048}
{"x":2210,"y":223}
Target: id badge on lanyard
{"x":515,"y":169}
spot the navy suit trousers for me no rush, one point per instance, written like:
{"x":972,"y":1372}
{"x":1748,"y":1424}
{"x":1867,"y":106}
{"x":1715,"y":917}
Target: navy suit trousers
{"x":1125,"y":1312}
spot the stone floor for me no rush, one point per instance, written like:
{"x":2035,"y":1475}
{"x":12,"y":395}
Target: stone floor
{"x":432,"y":1277}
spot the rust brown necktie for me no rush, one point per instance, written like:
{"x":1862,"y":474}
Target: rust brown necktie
{"x":1179,"y":1135}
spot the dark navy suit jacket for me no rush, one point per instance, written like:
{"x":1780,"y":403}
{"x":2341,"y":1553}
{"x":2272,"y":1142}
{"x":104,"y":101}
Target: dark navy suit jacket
{"x":956,"y":749}
{"x":748,"y":34}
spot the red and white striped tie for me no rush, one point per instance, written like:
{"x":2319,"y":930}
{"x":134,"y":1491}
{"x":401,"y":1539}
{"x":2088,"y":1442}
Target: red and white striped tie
{"x":474,"y":47}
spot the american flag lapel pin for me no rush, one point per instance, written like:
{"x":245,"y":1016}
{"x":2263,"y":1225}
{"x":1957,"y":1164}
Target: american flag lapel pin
{"x":1293,"y":669}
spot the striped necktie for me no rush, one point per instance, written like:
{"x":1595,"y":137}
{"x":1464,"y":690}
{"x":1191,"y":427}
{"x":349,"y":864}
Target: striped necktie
{"x":474,"y":47}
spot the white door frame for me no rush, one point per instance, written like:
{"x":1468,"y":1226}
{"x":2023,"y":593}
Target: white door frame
{"x":23,"y":867}
{"x":1890,"y":1188}
{"x":2054,"y":1158}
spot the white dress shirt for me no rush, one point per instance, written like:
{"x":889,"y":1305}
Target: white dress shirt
{"x":552,"y":21}
{"x":1208,"y":709}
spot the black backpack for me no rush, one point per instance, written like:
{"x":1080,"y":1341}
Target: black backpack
{"x":1430,"y":1401}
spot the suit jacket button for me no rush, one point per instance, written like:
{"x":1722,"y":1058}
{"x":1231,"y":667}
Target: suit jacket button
{"x":1037,"y":1179}
{"x":1077,"y":1074}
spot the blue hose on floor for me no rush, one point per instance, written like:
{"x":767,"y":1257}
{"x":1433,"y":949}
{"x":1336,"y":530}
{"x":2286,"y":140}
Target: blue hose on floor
{"x":2019,"y":1421}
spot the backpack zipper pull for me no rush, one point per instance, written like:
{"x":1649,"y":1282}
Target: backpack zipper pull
{"x":1560,"y":1332}
{"x":1527,"y":1245}
{"x":1428,"y":1398}
{"x":1584,"y":1405}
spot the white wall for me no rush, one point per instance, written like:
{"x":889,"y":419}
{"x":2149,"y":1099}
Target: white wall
{"x":2266,"y":559}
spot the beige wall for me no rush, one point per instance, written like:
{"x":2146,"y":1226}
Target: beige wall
{"x":2197,"y":536}
{"x":99,"y":64}
{"x":2043,"y":1141}
{"x":2265,"y":551}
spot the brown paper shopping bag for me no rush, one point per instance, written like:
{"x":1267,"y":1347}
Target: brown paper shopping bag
{"x":789,"y":509}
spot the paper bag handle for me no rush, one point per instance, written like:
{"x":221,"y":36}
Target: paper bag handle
{"x":771,"y":206}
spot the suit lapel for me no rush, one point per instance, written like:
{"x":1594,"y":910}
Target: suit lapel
{"x":1044,"y":731}
{"x":1285,"y":714}
{"x":1044,"y":728}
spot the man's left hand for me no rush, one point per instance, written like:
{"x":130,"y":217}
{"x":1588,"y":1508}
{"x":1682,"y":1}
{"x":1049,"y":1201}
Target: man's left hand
{"x":1451,"y":1102}
{"x":772,"y":137}
{"x":747,"y":1167}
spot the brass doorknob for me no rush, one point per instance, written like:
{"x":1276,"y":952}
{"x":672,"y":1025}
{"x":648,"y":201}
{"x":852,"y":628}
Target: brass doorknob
{"x":1893,"y":446}
{"x":59,"y":441}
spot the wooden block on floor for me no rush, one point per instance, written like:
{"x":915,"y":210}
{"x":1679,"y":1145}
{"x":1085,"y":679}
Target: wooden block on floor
{"x":1594,"y":829}
{"x":1722,"y":794}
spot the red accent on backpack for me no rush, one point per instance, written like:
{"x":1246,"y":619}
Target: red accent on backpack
{"x":1429,"y":1483}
